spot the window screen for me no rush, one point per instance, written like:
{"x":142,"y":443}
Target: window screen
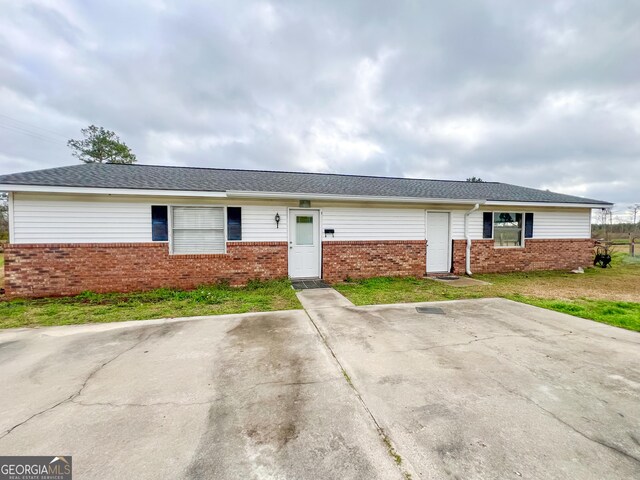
{"x":159,"y":223}
{"x":234,"y":223}
{"x":198,"y":230}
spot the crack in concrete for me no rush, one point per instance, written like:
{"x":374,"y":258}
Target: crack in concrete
{"x":390,"y":446}
{"x":78,"y":392}
{"x":287,"y":384}
{"x":156,"y":404}
{"x":564,"y":422}
{"x":460,"y":344}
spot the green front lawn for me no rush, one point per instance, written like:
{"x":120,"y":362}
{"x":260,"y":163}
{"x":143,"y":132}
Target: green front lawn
{"x":117,"y":307}
{"x":619,"y":314}
{"x":609,"y":295}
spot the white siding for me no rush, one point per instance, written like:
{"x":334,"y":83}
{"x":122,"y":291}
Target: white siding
{"x":54,"y":218}
{"x":259,"y":225}
{"x":49,"y":218}
{"x":457,"y":224}
{"x":374,"y":223}
{"x":567,"y":224}
{"x":79,"y":221}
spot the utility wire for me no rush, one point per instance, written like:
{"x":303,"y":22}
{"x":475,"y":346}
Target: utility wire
{"x":31,"y":134}
{"x":30,"y":125}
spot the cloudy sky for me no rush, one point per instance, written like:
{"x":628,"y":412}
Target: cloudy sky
{"x":538,"y":93}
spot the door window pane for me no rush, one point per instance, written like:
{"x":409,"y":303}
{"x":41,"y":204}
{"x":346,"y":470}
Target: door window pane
{"x":304,"y":230}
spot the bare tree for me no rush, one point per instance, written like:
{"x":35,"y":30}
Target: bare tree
{"x":635,"y":208}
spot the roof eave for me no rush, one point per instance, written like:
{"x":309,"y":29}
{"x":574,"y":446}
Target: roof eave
{"x":286,"y":195}
{"x":351,"y":198}
{"x":549,"y":204}
{"x":109,"y":191}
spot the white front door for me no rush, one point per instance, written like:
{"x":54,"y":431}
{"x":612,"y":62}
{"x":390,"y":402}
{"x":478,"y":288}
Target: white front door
{"x":304,"y":244}
{"x":438,"y":242}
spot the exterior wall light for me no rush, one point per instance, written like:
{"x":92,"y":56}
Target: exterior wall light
{"x":277,"y":220}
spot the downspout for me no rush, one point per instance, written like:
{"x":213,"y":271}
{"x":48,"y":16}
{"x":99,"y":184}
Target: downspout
{"x":468,"y":238}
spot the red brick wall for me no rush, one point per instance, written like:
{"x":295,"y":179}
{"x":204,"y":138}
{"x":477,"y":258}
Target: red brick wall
{"x":538,"y":254}
{"x":68,"y":269}
{"x":375,"y":258}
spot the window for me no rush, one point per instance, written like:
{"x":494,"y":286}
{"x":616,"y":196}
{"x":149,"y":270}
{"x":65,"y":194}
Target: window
{"x":304,"y":230}
{"x":507,"y":229}
{"x":159,"y":223}
{"x":198,"y":230}
{"x":234,"y":223}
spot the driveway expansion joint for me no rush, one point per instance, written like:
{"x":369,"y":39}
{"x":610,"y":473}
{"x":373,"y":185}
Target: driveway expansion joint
{"x":386,"y":440}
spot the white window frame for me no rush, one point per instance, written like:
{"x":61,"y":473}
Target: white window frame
{"x":224,"y":227}
{"x":493,"y":227}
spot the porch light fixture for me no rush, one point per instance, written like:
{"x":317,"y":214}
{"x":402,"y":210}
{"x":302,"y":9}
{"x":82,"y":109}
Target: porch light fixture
{"x":277,"y":220}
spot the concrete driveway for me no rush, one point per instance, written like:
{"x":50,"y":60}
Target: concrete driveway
{"x":485,"y":389}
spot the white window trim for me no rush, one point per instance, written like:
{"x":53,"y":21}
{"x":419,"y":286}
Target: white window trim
{"x":224,"y":227}
{"x":493,"y":225}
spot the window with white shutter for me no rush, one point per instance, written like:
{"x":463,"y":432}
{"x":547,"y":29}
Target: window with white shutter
{"x":198,"y":230}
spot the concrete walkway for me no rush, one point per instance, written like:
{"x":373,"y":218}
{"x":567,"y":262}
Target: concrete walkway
{"x":322,"y":298}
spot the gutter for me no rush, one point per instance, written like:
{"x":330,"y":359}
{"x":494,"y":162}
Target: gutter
{"x":468,"y":238}
{"x":347,"y":198}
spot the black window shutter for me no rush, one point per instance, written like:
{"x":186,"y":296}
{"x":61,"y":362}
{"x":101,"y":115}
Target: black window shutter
{"x":234,"y":223}
{"x":487,"y":224}
{"x":159,"y":223}
{"x":528,"y":225}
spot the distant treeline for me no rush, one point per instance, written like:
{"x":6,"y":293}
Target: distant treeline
{"x":611,"y":231}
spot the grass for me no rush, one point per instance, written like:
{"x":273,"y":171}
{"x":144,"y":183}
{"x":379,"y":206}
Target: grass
{"x":609,"y":295}
{"x":116,"y":307}
{"x":619,"y":314}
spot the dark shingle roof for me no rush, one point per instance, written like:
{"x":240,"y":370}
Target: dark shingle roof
{"x":220,"y":180}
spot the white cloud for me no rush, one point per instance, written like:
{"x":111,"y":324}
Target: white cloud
{"x":544,"y":94}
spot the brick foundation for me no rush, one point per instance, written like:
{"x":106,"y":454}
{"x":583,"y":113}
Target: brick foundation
{"x":41,"y":270}
{"x":538,"y":254}
{"x":67,"y":269}
{"x":364,"y":259}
